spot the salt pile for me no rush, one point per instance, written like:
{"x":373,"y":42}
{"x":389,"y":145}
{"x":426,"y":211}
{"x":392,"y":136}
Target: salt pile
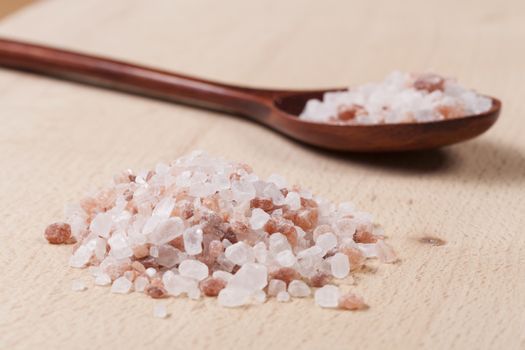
{"x":399,"y":98}
{"x":205,"y":226}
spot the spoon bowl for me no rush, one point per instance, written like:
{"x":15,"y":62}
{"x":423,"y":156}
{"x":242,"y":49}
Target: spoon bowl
{"x":277,"y":109}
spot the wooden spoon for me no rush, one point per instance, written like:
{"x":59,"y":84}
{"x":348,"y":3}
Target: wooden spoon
{"x":277,"y":109}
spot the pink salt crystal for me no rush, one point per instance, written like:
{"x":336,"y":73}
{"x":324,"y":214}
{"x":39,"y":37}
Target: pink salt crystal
{"x":285,"y":274}
{"x":155,"y":289}
{"x":59,"y":233}
{"x":193,"y":269}
{"x":298,"y":289}
{"x":212,"y":286}
{"x":351,"y":301}
{"x":319,"y":280}
{"x":363,"y":236}
{"x":355,"y":257}
{"x":327,"y":296}
{"x":78,"y":285}
{"x":141,"y":251}
{"x":240,"y":253}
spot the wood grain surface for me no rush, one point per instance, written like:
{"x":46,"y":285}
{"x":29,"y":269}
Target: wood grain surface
{"x":58,"y":140}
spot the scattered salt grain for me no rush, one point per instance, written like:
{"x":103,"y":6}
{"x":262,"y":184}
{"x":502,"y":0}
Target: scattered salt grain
{"x":327,"y":296}
{"x":78,"y":285}
{"x":259,"y":218}
{"x":340,"y":266}
{"x":160,"y":311}
{"x":140,"y":283}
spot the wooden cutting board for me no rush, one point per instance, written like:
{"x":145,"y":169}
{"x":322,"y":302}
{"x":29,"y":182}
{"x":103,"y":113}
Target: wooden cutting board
{"x":58,"y":140}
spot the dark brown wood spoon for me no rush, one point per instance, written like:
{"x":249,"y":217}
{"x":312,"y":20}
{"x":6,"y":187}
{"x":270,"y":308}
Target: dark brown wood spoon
{"x":277,"y":109}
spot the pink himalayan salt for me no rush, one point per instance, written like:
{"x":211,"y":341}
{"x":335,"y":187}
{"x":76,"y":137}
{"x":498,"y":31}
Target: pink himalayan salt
{"x":59,"y":233}
{"x":157,"y":232}
{"x":350,"y":301}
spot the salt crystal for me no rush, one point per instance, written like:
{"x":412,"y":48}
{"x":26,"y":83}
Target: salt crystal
{"x":276,"y":286}
{"x":251,"y":277}
{"x":327,"y":296}
{"x":103,"y":280}
{"x":240,"y":253}
{"x":121,"y":285}
{"x":193,"y":240}
{"x":259,"y":218}
{"x":260,"y":252}
{"x":140,"y":283}
{"x":177,"y":284}
{"x":168,"y":256}
{"x":167,"y":231}
{"x":278,"y":242}
{"x":340,"y":266}
{"x":81,"y":257}
{"x":223,"y":275}
{"x":101,"y":225}
{"x":283,"y":297}
{"x":233,"y":297}
{"x":78,"y":285}
{"x":286,"y":258}
{"x":259,"y":297}
{"x":193,"y":269}
{"x":164,"y":208}
{"x":326,"y":241}
{"x":293,"y":200}
{"x":298,"y":289}
{"x":160,"y":311}
{"x":151,"y":272}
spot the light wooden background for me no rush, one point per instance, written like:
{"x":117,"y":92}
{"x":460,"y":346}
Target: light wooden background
{"x":58,"y":139}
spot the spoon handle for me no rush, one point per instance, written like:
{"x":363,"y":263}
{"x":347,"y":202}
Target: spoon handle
{"x":135,"y":79}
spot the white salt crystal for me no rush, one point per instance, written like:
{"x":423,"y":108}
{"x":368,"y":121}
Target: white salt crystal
{"x":193,"y":269}
{"x":101,"y":225}
{"x":340,"y":266}
{"x":327,"y":296}
{"x":275,"y":287}
{"x":283,"y":297}
{"x":78,"y":285}
{"x":164,"y":208}
{"x":278,"y":242}
{"x":240,"y":253}
{"x":193,"y":241}
{"x":298,"y":289}
{"x":160,"y":311}
{"x":259,"y":218}
{"x":233,"y":297}
{"x":151,"y":272}
{"x":166,"y":231}
{"x":177,"y":284}
{"x":121,"y":285}
{"x":260,"y":252}
{"x":103,"y":280}
{"x":326,"y":241}
{"x":286,"y":258}
{"x":223,"y":275}
{"x":251,"y":277}
{"x":120,"y":248}
{"x":293,"y":200}
{"x":140,"y":284}
{"x":81,"y":257}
